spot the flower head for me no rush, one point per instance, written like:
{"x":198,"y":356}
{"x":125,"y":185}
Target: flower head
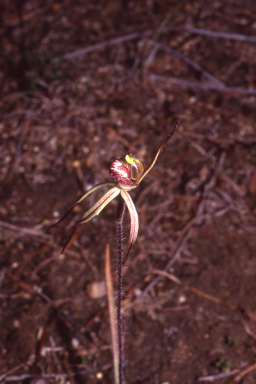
{"x":127,"y":173}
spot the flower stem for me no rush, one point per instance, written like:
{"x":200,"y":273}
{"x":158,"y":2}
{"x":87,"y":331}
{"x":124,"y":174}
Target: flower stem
{"x":119,"y":235}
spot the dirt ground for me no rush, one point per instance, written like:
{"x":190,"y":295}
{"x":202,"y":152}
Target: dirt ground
{"x":189,"y":297}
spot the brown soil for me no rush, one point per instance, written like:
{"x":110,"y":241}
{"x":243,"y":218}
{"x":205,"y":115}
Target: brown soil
{"x":63,"y":120}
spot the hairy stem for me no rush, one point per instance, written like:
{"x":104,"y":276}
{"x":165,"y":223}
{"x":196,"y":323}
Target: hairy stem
{"x":119,"y":236}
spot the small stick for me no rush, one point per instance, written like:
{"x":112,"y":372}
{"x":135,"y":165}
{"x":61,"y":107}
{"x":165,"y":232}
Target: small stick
{"x":238,"y":376}
{"x":235,"y":91}
{"x":105,"y":44}
{"x":219,"y":35}
{"x":68,"y":370}
{"x":12,"y":370}
{"x":136,"y":35}
{"x":158,"y":33}
{"x":218,"y":376}
{"x":112,"y":315}
{"x":50,"y":376}
{"x":27,"y":231}
{"x":189,"y":62}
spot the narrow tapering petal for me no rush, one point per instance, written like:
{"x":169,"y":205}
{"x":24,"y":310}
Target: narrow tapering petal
{"x":150,"y":166}
{"x":107,"y":184}
{"x":134,"y":221}
{"x":100,"y":205}
{"x":69,"y":238}
{"x":94,"y":210}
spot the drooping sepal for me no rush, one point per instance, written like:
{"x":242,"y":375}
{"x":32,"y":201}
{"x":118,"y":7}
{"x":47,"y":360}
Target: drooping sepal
{"x":100,"y":205}
{"x":94,"y":211}
{"x":107,"y":184}
{"x":134,"y":228}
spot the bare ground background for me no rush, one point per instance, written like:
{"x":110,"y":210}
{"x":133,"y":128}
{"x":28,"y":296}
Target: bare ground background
{"x":63,"y":118}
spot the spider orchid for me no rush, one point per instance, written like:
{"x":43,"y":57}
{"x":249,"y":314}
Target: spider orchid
{"x":127,"y":173}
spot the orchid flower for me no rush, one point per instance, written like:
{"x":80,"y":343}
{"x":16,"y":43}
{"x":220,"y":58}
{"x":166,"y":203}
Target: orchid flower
{"x":127,"y":173}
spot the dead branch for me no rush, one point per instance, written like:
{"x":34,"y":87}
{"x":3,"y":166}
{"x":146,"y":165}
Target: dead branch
{"x":67,"y":368}
{"x":24,"y":230}
{"x":136,"y":35}
{"x":218,"y":376}
{"x":105,"y":44}
{"x":235,"y":91}
{"x":27,"y":287}
{"x":189,"y":62}
{"x":217,"y":34}
{"x":224,"y":142}
{"x":55,"y":376}
{"x":238,"y":376}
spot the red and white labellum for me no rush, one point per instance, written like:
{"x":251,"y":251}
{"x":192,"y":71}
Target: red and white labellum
{"x":118,"y":170}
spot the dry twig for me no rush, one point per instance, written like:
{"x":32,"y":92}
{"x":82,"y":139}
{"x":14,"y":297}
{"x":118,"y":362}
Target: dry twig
{"x":26,"y":231}
{"x":189,"y":62}
{"x":112,"y":315}
{"x":234,"y":91}
{"x":136,"y":35}
{"x":222,"y":375}
{"x":242,"y":372}
{"x":217,"y":34}
{"x":105,"y":44}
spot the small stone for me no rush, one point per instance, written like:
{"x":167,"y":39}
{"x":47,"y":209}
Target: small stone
{"x":99,"y":375}
{"x":182,"y":299}
{"x":75,"y":342}
{"x":137,"y":292}
{"x":97,"y":289}
{"x":16,"y":324}
{"x":76,"y":163}
{"x":192,"y":100}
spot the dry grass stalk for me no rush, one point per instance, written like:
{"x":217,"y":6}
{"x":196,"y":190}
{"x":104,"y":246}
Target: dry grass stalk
{"x":112,"y":315}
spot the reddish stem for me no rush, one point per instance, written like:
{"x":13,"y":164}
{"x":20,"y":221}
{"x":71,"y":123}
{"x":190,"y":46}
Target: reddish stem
{"x":119,"y":234}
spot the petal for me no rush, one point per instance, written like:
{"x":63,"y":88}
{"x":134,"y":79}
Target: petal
{"x":160,"y":149}
{"x":94,"y":210}
{"x":134,"y":221}
{"x":108,"y":184}
{"x":100,"y":205}
{"x":69,"y":238}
